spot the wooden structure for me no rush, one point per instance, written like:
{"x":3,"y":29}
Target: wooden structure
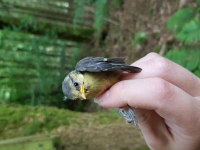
{"x":52,"y":14}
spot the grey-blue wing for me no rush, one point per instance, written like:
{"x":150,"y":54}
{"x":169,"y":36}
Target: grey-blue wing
{"x":97,"y":64}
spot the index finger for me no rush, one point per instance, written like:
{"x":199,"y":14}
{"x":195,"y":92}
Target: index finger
{"x":153,"y":65}
{"x":167,"y":100}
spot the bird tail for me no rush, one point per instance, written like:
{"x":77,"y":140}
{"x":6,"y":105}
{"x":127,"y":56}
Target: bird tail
{"x":131,"y":69}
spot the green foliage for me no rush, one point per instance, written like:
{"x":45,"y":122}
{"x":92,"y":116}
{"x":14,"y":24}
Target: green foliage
{"x":100,"y":12}
{"x":198,"y":2}
{"x":188,"y":59}
{"x":185,"y":24}
{"x":139,"y":39}
{"x":190,"y":32}
{"x":35,"y":17}
{"x":139,"y":36}
{"x":114,"y":111}
{"x":117,"y":3}
{"x":17,"y":120}
{"x":79,"y":11}
{"x":33,"y":55}
{"x":102,"y":118}
{"x":33,"y":67}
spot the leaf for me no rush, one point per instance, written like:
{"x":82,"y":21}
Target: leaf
{"x":179,"y":18}
{"x":177,"y":56}
{"x":192,"y":62}
{"x":190,"y":32}
{"x":187,"y":58}
{"x":197,"y":73}
{"x":140,"y":36}
{"x":100,"y":14}
{"x":79,"y":11}
{"x":198,"y":2}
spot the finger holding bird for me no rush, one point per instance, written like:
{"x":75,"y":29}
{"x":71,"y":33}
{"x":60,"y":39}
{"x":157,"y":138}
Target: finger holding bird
{"x":92,"y":76}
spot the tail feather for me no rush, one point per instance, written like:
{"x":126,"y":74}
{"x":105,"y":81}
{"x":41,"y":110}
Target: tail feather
{"x":131,"y":69}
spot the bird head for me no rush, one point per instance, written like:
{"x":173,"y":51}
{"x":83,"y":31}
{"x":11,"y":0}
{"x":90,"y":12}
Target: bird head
{"x":73,"y":86}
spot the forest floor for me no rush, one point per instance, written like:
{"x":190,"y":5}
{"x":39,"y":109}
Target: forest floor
{"x":77,"y":131}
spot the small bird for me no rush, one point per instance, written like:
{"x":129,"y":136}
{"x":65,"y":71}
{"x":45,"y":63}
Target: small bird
{"x":93,"y":75}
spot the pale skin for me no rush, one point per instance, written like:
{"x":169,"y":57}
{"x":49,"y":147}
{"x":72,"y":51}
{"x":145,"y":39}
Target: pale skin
{"x":166,"y":100}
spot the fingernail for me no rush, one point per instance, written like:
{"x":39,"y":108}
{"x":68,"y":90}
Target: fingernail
{"x":103,"y":96}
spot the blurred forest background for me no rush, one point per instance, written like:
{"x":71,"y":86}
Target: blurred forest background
{"x":41,"y":41}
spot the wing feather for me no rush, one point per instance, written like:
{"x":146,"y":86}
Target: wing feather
{"x":97,"y":64}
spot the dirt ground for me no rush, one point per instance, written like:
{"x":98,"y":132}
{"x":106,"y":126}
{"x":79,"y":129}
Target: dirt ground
{"x":110,"y":137}
{"x":76,"y":130}
{"x":119,"y":135}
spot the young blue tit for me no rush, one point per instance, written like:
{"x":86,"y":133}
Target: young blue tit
{"x":92,"y":76}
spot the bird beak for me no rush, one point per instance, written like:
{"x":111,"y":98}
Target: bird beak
{"x":82,"y":94}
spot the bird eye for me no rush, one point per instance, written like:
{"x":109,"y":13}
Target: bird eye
{"x":75,"y":84}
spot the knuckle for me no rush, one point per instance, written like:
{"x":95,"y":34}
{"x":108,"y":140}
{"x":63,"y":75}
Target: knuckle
{"x":153,"y":55}
{"x":121,"y":90}
{"x":163,"y":66}
{"x":162,"y":88}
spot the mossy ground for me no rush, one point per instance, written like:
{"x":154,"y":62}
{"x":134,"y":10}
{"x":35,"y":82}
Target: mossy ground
{"x":77,"y":130}
{"x":17,"y":120}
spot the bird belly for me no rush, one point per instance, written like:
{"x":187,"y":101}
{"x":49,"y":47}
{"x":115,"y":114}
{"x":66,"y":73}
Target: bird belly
{"x":98,"y":82}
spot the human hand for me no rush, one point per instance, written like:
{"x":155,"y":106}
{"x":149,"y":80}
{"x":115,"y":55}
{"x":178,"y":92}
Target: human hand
{"x":166,"y":100}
